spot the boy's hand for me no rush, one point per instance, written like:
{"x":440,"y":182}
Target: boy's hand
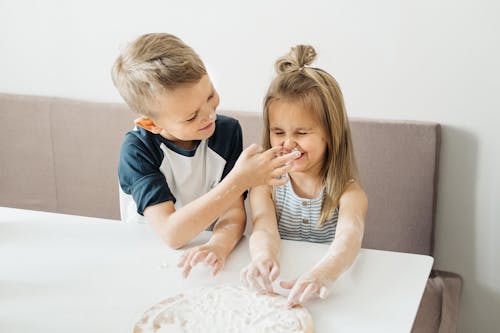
{"x":210,"y":254}
{"x":309,"y":286}
{"x":260,"y":274}
{"x":257,"y":167}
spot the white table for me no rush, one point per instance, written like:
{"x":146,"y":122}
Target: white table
{"x":64,"y":273}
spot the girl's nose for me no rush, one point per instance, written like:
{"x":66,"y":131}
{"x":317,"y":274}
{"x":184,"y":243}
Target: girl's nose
{"x":289,"y":144}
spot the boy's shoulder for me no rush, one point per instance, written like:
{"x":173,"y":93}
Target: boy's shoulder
{"x":225,"y":127}
{"x":139,"y":137}
{"x":227,"y":121}
{"x":140,"y":142}
{"x":227,"y":139}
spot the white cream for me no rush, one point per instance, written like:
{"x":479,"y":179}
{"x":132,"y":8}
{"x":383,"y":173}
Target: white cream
{"x":225,"y":309}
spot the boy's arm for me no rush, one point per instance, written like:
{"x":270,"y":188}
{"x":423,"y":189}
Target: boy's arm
{"x":264,"y":242}
{"x":342,"y":252}
{"x":177,"y":227}
{"x":226,"y":234}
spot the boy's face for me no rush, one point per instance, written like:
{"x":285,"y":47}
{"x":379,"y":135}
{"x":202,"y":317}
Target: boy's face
{"x":187,"y":113}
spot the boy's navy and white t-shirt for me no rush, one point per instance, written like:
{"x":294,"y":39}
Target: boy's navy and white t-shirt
{"x":153,"y":169}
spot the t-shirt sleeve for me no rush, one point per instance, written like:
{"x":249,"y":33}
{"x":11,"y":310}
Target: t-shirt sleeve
{"x":139,"y":173}
{"x":235,"y":149}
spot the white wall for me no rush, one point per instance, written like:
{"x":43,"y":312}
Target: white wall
{"x":423,"y":60}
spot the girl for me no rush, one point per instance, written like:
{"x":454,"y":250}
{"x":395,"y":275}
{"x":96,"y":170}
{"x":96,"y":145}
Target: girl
{"x":322,"y":201}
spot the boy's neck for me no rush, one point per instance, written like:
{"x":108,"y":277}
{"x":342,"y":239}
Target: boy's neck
{"x":187,"y":145}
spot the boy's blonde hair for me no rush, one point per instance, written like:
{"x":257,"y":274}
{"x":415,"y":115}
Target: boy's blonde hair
{"x":317,"y":92}
{"x":151,"y":65}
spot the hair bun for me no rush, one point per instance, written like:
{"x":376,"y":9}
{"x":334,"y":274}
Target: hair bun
{"x":298,"y":57}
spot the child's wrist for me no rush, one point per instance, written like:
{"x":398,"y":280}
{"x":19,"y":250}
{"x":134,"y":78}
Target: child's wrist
{"x":236,"y":183}
{"x":220,"y":245}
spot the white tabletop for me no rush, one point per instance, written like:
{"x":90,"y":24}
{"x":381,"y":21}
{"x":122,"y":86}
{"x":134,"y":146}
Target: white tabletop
{"x":64,"y":273}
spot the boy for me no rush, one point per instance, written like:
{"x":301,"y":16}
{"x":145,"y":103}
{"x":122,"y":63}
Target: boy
{"x":180,"y":167}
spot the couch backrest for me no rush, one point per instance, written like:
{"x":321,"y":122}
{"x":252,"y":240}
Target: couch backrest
{"x":61,"y":155}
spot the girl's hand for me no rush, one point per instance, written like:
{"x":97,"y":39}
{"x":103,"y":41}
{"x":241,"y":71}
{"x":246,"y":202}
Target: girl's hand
{"x":210,"y":254}
{"x":309,"y":286}
{"x":260,"y":274}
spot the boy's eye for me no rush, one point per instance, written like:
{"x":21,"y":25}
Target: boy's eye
{"x":302,"y":133}
{"x":278,"y":133}
{"x":192,"y":118}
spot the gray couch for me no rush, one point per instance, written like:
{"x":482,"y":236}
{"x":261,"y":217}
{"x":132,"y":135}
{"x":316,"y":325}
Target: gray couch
{"x":61,"y":155}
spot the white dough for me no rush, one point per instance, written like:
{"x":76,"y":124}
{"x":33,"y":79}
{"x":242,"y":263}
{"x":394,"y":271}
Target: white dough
{"x":224,"y":309}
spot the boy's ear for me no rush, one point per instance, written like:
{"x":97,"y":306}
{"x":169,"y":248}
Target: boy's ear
{"x":148,"y":125}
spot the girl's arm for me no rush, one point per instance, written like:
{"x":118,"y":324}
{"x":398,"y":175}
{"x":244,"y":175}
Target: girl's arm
{"x":344,"y":249}
{"x":264,"y":242}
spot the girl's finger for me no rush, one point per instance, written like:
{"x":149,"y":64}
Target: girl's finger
{"x":309,"y":292}
{"x":287,"y":284}
{"x":243,"y":277}
{"x":293,"y":297}
{"x":323,"y":292}
{"x":275,"y":271}
{"x":264,"y":277}
{"x":253,"y":281}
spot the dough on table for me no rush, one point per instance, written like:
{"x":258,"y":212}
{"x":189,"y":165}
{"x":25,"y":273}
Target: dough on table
{"x":224,"y":309}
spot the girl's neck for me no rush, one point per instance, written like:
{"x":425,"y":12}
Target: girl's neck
{"x":306,"y":185}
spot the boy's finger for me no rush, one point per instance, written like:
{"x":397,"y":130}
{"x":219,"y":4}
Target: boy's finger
{"x":217,"y":267}
{"x":197,"y":258}
{"x":186,"y":270}
{"x":182,"y":260}
{"x":253,"y":149}
{"x":211,"y":258}
{"x":282,"y":160}
{"x":186,"y":260}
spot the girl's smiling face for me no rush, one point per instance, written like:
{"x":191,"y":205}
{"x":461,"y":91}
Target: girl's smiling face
{"x":295,"y":128}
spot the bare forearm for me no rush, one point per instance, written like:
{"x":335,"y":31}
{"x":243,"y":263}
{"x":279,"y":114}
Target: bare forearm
{"x":229,"y":230}
{"x":342,"y":252}
{"x":349,"y":234}
{"x":264,"y":242}
{"x":187,"y":222}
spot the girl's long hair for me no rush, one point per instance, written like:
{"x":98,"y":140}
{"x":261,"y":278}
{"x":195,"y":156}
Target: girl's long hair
{"x":317,"y":92}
